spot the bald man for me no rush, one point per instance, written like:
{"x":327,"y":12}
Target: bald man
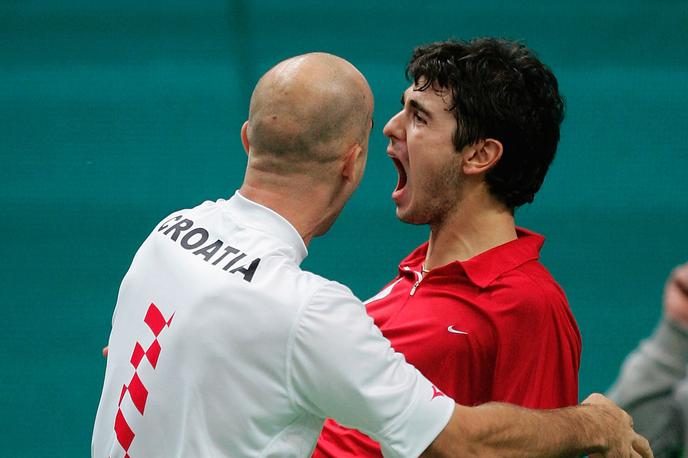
{"x":221,"y":346}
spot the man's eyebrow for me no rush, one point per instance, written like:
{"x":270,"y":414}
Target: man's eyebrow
{"x":416,"y":105}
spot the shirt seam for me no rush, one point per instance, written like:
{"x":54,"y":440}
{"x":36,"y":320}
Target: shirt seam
{"x":533,"y":281}
{"x":277,"y":437}
{"x":290,"y":348}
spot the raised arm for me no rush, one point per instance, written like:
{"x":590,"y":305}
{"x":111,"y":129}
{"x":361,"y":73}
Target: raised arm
{"x":503,"y":430}
{"x":653,"y":382}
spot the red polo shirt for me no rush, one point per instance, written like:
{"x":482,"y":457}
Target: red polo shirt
{"x":494,"y":328}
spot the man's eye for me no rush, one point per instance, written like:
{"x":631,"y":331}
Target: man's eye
{"x":418,"y":118}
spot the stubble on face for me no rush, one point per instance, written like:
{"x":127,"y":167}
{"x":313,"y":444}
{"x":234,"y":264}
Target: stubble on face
{"x":441,"y":196}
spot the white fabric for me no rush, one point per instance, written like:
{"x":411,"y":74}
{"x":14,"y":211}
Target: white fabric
{"x":252,"y":361}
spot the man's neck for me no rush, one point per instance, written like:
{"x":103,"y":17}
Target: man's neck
{"x":475,"y":226}
{"x":302,"y":203}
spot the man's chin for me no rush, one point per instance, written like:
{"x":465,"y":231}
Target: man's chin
{"x":408,"y":217}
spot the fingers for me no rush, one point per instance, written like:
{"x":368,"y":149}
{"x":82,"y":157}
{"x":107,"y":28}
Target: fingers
{"x":624,"y":442}
{"x":105,"y":352}
{"x":680,"y":277}
{"x":596,"y":398}
{"x":676,"y":295}
{"x":641,"y":447}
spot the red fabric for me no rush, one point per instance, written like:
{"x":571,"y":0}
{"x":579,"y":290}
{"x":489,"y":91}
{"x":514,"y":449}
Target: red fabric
{"x":514,"y":338}
{"x":137,"y":390}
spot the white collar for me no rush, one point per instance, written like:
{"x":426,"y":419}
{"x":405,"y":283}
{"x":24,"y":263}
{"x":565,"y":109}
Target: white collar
{"x":268,"y":221}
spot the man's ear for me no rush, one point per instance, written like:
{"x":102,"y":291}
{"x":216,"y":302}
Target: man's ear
{"x":352,"y":162}
{"x":482,"y":156}
{"x":244,"y":137}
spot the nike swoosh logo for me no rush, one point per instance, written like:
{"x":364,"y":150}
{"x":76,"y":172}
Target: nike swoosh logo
{"x":455,"y":331}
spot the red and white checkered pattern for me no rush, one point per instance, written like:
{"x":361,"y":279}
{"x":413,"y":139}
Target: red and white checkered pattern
{"x":136,"y":389}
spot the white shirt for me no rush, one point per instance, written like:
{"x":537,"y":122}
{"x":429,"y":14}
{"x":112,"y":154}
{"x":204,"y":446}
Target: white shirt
{"x":221,"y":346}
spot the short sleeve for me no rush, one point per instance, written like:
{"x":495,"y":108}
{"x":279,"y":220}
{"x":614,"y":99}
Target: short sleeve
{"x":340,"y":366}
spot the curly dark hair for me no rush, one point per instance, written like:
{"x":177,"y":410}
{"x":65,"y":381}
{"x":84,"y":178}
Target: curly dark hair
{"x":500,"y":90}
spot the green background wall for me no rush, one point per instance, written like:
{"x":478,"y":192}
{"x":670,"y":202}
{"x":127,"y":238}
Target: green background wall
{"x":114,"y":114}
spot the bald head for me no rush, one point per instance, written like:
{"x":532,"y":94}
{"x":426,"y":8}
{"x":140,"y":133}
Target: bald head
{"x":306,"y":110}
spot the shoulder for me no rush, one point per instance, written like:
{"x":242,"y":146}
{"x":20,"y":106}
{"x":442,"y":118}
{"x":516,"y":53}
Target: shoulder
{"x":184,"y":218}
{"x":284,"y":282}
{"x":528,"y":298}
{"x":329,"y":294}
{"x":327,"y":306}
{"x":530,"y":287}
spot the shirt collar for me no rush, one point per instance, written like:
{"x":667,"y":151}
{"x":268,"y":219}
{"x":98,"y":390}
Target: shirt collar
{"x":266,"y":220}
{"x":489,"y":265}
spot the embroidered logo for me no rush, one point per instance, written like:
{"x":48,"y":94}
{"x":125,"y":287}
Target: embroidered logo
{"x":436,"y":393}
{"x":455,"y":331}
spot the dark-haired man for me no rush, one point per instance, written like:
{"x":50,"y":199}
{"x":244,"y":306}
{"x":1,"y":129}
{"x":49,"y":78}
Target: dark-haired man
{"x":222,"y":346}
{"x":472,"y":308}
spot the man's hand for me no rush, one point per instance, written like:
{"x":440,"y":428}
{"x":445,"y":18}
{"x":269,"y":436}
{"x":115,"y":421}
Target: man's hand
{"x":617,"y":426}
{"x":676,"y":295}
{"x":496,"y":429}
{"x":105,"y":352}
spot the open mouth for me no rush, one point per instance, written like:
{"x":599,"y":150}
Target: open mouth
{"x":402,"y":174}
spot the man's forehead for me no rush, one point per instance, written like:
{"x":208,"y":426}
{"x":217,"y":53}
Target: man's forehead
{"x":429,"y":95}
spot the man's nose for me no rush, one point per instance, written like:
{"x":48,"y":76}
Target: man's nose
{"x":393,"y":127}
